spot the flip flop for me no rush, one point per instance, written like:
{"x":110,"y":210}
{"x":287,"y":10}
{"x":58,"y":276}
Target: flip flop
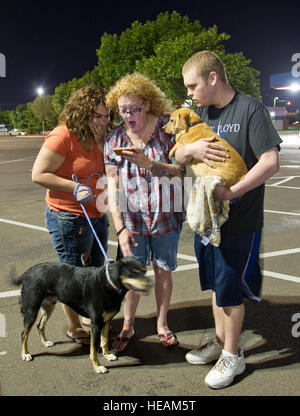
{"x":165,"y":337}
{"x":120,"y":344}
{"x":75,"y":339}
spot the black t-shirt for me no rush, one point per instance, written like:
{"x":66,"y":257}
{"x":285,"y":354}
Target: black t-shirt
{"x":245,"y":123}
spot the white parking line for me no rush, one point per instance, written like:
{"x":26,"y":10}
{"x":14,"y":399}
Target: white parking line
{"x":280,"y":253}
{"x":192,"y":266}
{"x":281,"y":276}
{"x":36,"y":227}
{"x":285,"y":187}
{"x":22,"y":224}
{"x":282,"y":212}
{"x":283,"y":180}
{"x":17,"y":160}
{"x":10,"y":294}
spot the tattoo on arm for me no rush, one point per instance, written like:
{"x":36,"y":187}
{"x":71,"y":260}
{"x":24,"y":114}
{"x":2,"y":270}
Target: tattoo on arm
{"x":163,"y":169}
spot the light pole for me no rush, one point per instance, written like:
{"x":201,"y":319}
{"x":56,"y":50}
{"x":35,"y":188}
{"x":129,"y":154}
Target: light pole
{"x":274,"y":102}
{"x":40,"y":92}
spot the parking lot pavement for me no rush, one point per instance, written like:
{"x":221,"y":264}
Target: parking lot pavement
{"x":291,"y":140}
{"x":271,"y":332}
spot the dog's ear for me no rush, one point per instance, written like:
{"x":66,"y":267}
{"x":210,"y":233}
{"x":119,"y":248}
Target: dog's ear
{"x":180,"y":122}
{"x":129,"y":264}
{"x":124,"y":260}
{"x":193,"y":117}
{"x":132,"y":261}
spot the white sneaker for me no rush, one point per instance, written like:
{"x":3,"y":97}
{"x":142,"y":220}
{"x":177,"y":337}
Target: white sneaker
{"x":224,"y":371}
{"x":208,"y":352}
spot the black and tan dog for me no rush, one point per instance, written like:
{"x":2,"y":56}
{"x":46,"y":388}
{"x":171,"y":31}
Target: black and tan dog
{"x":92,"y":292}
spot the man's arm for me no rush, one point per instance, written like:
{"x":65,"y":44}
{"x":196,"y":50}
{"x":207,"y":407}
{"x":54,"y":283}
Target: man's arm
{"x":204,"y":150}
{"x":266,"y":167}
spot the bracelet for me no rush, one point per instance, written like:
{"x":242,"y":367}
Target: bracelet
{"x":122,"y":229}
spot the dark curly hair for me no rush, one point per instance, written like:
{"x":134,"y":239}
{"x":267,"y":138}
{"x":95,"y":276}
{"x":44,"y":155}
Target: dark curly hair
{"x":79,"y":110}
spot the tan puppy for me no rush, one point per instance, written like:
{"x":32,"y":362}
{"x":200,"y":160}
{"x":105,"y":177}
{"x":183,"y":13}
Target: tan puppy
{"x":188,"y":127}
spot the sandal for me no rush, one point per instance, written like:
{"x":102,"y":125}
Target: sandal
{"x":86,"y":322}
{"x":87,"y":338}
{"x":165,"y":337}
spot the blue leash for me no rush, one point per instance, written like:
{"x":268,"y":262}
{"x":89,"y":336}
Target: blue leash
{"x":83,"y":200}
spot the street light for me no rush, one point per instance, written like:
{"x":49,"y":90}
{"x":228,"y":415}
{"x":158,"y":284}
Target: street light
{"x":294,"y":87}
{"x":40,"y":91}
{"x":274,"y":102}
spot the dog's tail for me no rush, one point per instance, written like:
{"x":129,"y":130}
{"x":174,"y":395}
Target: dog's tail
{"x":13,"y":276}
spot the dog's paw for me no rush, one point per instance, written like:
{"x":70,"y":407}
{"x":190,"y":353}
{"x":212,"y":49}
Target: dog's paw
{"x":110,"y":357}
{"x":27,"y":357}
{"x":48,"y":344}
{"x":101,"y":369}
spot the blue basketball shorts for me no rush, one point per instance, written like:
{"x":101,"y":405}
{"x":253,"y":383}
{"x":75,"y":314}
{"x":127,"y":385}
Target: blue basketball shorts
{"x":231,"y":270}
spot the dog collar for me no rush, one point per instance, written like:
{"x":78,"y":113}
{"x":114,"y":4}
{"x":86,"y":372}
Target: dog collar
{"x":189,"y":125}
{"x":120,"y":291}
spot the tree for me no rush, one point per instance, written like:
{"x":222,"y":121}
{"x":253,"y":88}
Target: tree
{"x":25,"y":120}
{"x":64,"y":91}
{"x":165,"y":65}
{"x":43,"y":110}
{"x":159,"y":48}
{"x":118,"y":55}
{"x":6,"y":117}
{"x":240,"y":75}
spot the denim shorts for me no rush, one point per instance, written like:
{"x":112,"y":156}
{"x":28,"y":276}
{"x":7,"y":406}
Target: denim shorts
{"x":162,"y":249}
{"x":72,"y":237}
{"x":231,"y":270}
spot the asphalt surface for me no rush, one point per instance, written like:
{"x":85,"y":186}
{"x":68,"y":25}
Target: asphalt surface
{"x":270,"y":336}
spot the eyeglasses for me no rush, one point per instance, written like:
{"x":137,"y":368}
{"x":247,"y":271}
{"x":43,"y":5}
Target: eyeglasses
{"x":131,"y":111}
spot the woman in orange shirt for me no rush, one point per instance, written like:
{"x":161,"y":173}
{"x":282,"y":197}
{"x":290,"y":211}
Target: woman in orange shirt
{"x":75,"y":146}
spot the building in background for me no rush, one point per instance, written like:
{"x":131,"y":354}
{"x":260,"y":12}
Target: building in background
{"x":280,"y":115}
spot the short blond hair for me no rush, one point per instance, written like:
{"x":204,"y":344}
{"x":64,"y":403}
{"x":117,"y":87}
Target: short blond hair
{"x":140,"y":86}
{"x":205,"y":62}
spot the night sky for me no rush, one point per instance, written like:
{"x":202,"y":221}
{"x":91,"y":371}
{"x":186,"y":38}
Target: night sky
{"x":47,"y":43}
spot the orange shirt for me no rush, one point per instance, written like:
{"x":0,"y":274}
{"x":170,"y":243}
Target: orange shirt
{"x":82,"y":163}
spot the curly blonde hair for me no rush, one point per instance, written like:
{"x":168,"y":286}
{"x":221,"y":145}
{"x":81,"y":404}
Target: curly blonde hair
{"x":140,"y":86}
{"x":79,"y":110}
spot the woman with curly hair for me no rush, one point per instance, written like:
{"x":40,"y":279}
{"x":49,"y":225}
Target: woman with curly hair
{"x":75,"y":146}
{"x":148,"y":225}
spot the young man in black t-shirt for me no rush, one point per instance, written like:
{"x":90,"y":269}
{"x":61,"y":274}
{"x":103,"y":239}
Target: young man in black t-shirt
{"x":231,"y":270}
